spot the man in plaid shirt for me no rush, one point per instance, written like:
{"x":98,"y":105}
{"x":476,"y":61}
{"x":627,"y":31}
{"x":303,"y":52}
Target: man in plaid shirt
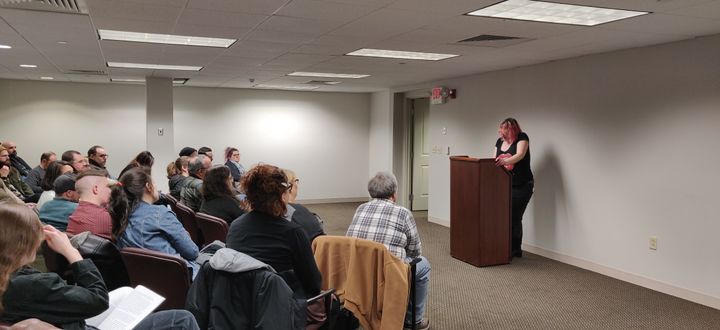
{"x":382,"y":221}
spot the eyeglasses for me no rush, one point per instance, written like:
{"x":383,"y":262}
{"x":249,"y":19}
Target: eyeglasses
{"x":102,"y":155}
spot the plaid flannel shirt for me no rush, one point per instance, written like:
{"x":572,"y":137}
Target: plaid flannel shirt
{"x":382,"y":221}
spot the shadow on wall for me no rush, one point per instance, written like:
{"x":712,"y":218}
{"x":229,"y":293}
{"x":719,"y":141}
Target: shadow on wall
{"x":548,"y":199}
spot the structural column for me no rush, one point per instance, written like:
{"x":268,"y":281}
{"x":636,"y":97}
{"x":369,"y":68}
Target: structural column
{"x":160,"y":132}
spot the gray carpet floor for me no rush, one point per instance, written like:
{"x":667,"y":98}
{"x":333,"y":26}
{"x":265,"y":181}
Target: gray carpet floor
{"x":533,"y":292}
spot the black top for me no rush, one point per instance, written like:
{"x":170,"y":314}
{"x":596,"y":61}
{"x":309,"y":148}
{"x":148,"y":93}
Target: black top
{"x":225,"y":208}
{"x":521,"y":173}
{"x":307,"y":220}
{"x":279,"y":243}
{"x":46,"y":296}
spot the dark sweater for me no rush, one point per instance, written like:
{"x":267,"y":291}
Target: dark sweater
{"x":279,"y":243}
{"x":225,"y":208}
{"x":307,"y":220}
{"x":45,"y":296}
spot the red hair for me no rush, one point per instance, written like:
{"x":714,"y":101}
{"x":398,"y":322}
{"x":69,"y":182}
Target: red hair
{"x":512,"y":127}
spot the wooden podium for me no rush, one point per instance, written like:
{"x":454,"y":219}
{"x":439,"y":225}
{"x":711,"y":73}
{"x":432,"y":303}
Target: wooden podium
{"x":480,"y":197}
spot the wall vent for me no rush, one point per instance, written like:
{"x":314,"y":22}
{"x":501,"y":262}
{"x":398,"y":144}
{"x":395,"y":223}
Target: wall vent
{"x":322,"y":82}
{"x":62,"y":6}
{"x":87,"y":72}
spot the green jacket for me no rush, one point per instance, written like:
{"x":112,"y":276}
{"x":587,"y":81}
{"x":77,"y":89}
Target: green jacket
{"x":46,"y":296}
{"x":19,"y":184}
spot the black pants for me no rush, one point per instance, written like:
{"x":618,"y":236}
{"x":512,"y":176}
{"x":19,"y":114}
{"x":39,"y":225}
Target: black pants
{"x":520,"y":199}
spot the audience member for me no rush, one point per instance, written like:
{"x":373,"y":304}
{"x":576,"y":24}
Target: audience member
{"x":12,"y":180}
{"x":7,"y":195}
{"x":143,"y":159}
{"x":265,"y":235}
{"x":15,"y":161}
{"x":136,"y":222}
{"x":232,"y":161}
{"x":188,"y":152}
{"x":218,"y":197}
{"x":53,"y":171}
{"x":382,"y":221}
{"x":57,"y":211}
{"x":97,"y":156}
{"x":36,"y":174}
{"x":91,"y":214}
{"x":207,"y":152}
{"x":298,"y":213}
{"x":191,"y":194}
{"x":76,"y":160}
{"x":178,"y":176}
{"x":27,"y":293}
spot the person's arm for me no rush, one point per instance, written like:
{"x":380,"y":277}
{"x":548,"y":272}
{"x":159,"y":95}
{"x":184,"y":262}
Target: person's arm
{"x":494,"y":153}
{"x":414,"y":247}
{"x":305,"y":268}
{"x":33,"y":180}
{"x":522,"y":148}
{"x":178,"y":236}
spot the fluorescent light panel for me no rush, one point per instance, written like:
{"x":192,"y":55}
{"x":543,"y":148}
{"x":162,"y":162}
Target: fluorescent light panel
{"x":178,"y":81}
{"x":168,"y":39}
{"x":47,"y":78}
{"x":329,"y":75}
{"x":550,"y":12}
{"x":290,"y":87}
{"x":28,"y":66}
{"x":4,"y":46}
{"x":153,"y":66}
{"x":400,"y":54}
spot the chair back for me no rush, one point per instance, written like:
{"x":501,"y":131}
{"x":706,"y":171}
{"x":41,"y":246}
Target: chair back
{"x":165,"y":274}
{"x":171,"y":200}
{"x":211,"y":227}
{"x":106,"y":257}
{"x":365,"y":276}
{"x":187,"y":217}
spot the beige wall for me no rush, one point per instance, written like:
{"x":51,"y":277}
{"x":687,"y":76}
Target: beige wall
{"x":623,"y":147}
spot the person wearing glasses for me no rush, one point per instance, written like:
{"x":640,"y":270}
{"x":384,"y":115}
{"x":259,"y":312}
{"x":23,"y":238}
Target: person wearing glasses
{"x":76,"y":160}
{"x":266,"y":235}
{"x":298,"y":213}
{"x":97,"y":156}
{"x":232,"y":161}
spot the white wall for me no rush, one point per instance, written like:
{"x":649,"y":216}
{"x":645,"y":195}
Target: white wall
{"x":623,"y":147}
{"x":323,"y":137}
{"x":57,"y":116}
{"x":380,"y":153}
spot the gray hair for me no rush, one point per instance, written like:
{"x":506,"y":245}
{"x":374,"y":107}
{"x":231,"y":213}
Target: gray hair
{"x":382,"y":185}
{"x":196,"y":164}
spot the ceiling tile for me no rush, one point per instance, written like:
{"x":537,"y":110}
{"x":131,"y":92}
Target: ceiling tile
{"x":299,"y":25}
{"x":220,"y":18}
{"x":326,"y":10}
{"x":143,"y":11}
{"x":266,"y":7}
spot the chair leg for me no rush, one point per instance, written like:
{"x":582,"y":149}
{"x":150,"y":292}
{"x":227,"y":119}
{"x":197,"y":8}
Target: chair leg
{"x":413,"y":267}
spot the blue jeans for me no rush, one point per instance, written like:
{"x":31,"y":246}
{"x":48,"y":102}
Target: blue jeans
{"x":174,"y":319}
{"x":422,"y":282}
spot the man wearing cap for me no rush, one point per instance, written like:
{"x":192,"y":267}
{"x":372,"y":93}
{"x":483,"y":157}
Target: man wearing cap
{"x":57,"y":211}
{"x":188,"y":152}
{"x":91,"y":215}
{"x":207,"y":152}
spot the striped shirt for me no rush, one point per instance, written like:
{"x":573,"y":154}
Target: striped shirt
{"x":382,"y":221}
{"x":92,"y":218}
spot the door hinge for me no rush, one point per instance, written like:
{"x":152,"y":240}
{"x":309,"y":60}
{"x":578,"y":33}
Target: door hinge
{"x":411,"y":197}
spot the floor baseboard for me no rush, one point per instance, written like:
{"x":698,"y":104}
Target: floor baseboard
{"x":333,"y":200}
{"x":683,"y":293}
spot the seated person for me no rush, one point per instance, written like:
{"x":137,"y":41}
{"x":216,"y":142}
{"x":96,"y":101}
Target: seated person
{"x":27,"y":293}
{"x":300,"y":214}
{"x":232,"y":161}
{"x":47,"y":184}
{"x":218,"y":197}
{"x":136,"y":222}
{"x":382,"y":221}
{"x":91,"y":215}
{"x":57,"y":211}
{"x":265,"y":235}
{"x":191,"y":194}
{"x":13,"y":181}
{"x":143,"y":159}
{"x":36,"y":174}
{"x":177,"y":175}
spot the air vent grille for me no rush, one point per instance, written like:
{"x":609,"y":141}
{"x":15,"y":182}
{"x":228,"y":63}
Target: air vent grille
{"x":322,"y":82}
{"x":489,"y":40}
{"x":64,"y":6}
{"x":87,"y":72}
{"x":488,"y":37}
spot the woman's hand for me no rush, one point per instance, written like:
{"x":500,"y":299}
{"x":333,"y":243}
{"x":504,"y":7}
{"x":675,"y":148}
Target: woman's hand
{"x":60,"y":243}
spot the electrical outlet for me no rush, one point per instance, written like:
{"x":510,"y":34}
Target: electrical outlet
{"x":653,"y":243}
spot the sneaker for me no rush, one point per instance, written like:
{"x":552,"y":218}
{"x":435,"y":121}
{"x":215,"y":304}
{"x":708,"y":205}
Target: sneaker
{"x":422,"y":325}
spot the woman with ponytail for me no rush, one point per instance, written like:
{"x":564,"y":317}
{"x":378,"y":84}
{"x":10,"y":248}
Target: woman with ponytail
{"x":136,"y":222}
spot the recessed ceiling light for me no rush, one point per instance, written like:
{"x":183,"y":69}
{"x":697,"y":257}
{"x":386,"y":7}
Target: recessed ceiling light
{"x":153,"y":66}
{"x":47,"y":78}
{"x":168,"y":39}
{"x":4,"y":46}
{"x":290,"y":87}
{"x":28,"y":66}
{"x":329,"y":75}
{"x":62,"y":42}
{"x":400,"y":54}
{"x":550,"y":12}
{"x":127,"y":80}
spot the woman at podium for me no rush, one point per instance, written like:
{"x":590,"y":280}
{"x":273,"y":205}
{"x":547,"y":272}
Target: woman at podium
{"x":512,"y":150}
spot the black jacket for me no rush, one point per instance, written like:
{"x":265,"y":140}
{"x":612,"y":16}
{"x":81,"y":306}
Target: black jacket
{"x":236,"y":291}
{"x":45,"y":296}
{"x":225,"y":208}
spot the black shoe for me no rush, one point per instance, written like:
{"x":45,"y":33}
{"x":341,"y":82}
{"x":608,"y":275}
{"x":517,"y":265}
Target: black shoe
{"x":517,"y":254}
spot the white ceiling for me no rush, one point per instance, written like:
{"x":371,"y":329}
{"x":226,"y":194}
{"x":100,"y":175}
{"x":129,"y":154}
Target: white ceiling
{"x":277,"y":37}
